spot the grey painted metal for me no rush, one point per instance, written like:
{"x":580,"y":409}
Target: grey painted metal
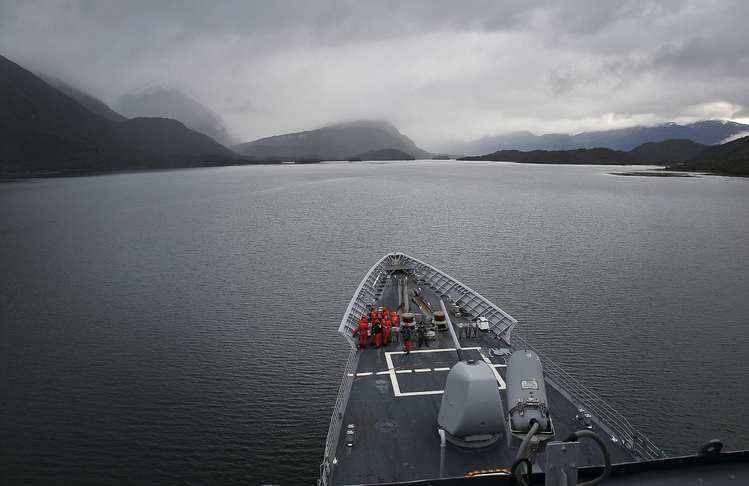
{"x":454,"y":337}
{"x":526,"y":392}
{"x":561,"y":463}
{"x":471,"y":409}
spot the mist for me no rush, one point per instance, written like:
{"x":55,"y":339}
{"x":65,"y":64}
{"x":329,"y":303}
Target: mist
{"x":438,"y":70}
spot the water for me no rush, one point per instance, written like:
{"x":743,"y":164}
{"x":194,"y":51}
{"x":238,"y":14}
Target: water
{"x":180,"y":327}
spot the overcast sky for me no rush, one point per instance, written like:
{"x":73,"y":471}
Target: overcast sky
{"x":437,"y":69}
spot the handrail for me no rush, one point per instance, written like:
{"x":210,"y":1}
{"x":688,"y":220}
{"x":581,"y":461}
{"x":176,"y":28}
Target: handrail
{"x":605,"y":414}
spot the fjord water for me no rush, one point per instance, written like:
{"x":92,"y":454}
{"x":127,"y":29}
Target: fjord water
{"x":180,"y":327}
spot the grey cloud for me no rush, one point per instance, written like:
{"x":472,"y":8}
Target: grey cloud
{"x":435,"y":68}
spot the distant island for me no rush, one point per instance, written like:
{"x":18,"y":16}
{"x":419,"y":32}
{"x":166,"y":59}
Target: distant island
{"x":602,"y":156}
{"x":731,"y":158}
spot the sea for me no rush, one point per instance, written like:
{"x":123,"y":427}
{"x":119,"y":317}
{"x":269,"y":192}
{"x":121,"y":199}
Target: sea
{"x":180,"y":327}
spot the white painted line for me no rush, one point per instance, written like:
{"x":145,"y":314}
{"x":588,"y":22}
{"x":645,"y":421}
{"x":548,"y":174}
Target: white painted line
{"x":393,"y":379}
{"x":414,"y":394}
{"x":351,"y":374}
{"x":502,"y":384}
{"x":364,"y":374}
{"x":500,"y":366}
{"x":383,"y":372}
{"x":439,"y":350}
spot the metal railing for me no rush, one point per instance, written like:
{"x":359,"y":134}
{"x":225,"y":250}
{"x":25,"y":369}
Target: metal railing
{"x":336,"y":419}
{"x":604,"y":414}
{"x":473,"y":303}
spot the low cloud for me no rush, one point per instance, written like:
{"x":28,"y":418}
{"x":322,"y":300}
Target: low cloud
{"x":439,"y":70}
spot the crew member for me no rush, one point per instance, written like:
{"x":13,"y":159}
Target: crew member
{"x":361,"y":331}
{"x":376,"y":334}
{"x":386,"y":331}
{"x":421,"y":333}
{"x":406,"y":333}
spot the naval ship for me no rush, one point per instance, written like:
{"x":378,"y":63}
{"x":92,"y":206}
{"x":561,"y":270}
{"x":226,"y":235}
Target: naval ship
{"x":474,"y":402}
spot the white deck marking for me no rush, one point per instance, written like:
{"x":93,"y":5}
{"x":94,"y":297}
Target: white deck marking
{"x":394,"y":380}
{"x":438,"y":350}
{"x":430,"y":392}
{"x":502,"y":384}
{"x":364,"y":374}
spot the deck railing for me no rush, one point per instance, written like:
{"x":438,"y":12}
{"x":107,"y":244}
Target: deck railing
{"x":336,"y":419}
{"x":368,"y":291}
{"x":604,"y":414}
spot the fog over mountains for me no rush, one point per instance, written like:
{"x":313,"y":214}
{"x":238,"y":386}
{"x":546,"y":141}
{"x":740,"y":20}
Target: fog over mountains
{"x":334,"y":142}
{"x":43,"y":129}
{"x":171,"y":103}
{"x":707,"y":132}
{"x":53,"y":126}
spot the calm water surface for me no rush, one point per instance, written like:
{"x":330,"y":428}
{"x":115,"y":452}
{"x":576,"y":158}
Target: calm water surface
{"x":180,"y":327}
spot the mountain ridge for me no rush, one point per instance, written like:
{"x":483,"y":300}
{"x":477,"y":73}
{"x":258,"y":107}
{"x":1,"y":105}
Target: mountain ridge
{"x":333,"y":142}
{"x":161,"y":102}
{"x":706,"y":132}
{"x":730,"y":158}
{"x":42,"y":129}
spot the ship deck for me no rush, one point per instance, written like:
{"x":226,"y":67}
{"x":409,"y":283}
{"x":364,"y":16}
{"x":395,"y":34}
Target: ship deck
{"x":395,"y":398}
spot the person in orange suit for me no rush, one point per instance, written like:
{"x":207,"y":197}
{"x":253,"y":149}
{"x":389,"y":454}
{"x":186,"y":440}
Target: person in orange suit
{"x":361,"y":331}
{"x":386,"y":331}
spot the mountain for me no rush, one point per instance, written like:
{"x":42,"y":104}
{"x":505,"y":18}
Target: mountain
{"x":170,"y":103}
{"x":334,"y":142}
{"x":666,"y":152}
{"x":596,"y":156}
{"x":383,"y":154}
{"x":43,"y":129}
{"x":730,"y":158}
{"x":94,"y":105}
{"x":708,"y":132}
